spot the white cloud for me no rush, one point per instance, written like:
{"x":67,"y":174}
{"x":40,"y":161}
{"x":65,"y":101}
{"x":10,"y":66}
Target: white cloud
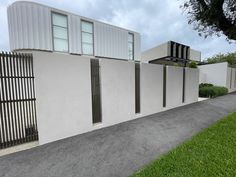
{"x":157,"y":21}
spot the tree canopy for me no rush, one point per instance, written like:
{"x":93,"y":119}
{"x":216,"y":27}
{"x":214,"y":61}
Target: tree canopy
{"x":212,"y":17}
{"x":229,"y":57}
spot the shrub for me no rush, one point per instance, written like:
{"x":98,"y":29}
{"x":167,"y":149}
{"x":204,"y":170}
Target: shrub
{"x":212,"y":91}
{"x":205,"y":85}
{"x":192,"y":64}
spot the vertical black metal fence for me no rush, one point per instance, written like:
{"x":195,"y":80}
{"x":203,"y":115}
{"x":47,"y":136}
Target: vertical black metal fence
{"x":17,"y":100}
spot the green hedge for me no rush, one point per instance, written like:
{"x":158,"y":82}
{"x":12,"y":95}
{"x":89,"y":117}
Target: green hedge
{"x":205,"y":85}
{"x":209,"y":91}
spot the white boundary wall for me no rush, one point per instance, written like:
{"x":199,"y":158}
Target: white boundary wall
{"x":174,"y":86}
{"x":191,"y":85}
{"x":64,"y":101}
{"x":218,"y":74}
{"x":151,"y":93}
{"x":63,"y":95}
{"x":117,"y":91}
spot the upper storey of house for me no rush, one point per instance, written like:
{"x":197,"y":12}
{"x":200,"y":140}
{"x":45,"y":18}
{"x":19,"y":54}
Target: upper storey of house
{"x":170,"y":51}
{"x":34,"y":26}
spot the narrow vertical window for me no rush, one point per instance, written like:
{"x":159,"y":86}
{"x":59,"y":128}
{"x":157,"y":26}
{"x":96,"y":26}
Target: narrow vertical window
{"x":137,"y":87}
{"x":131,"y":46}
{"x":87,"y":37}
{"x":60,"y":32}
{"x":96,"y":94}
{"x":164,"y":85}
{"x":184,"y":80}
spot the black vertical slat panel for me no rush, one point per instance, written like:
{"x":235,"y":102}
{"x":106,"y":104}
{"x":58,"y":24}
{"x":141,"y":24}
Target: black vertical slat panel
{"x":137,"y":87}
{"x":184,"y":80}
{"x":17,"y":99}
{"x":18,"y":115}
{"x":171,"y":49}
{"x":25,"y":96}
{"x":3,"y":108}
{"x":182,"y":52}
{"x":16,"y":138}
{"x":20,"y":104}
{"x":31,"y":96}
{"x":96,"y":95}
{"x":10,"y":100}
{"x":4,"y":88}
{"x":21,"y":65}
{"x":8,"y":120}
{"x":30,"y":129}
{"x":1,"y":114}
{"x":164,"y":86}
{"x":34,"y":96}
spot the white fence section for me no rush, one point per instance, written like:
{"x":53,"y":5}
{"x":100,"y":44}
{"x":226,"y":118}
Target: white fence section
{"x":232,"y":79}
{"x":151,"y":88}
{"x":191,"y":88}
{"x":219,"y":74}
{"x":63,"y":95}
{"x":64,"y":100}
{"x":174,"y":86}
{"x":117,"y":91}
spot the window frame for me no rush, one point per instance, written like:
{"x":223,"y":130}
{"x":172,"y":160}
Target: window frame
{"x":81,"y":23}
{"x":132,"y":34}
{"x":67,"y":33}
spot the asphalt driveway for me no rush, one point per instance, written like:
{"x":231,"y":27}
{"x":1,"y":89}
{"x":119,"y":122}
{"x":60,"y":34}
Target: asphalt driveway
{"x":120,"y":150}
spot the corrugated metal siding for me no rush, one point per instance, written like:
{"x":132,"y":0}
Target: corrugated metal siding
{"x":74,"y":34}
{"x":137,"y":46}
{"x":110,"y":41}
{"x":29,"y":26}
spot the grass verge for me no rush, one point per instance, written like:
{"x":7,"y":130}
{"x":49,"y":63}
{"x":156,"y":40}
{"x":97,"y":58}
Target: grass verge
{"x":211,"y":153}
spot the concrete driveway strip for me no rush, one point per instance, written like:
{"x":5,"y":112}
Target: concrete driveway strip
{"x":120,"y":150}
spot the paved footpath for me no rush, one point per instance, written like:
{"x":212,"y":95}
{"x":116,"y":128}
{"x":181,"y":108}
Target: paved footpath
{"x":120,"y":150}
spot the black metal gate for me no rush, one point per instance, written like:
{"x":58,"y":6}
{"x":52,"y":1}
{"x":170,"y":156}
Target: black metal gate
{"x":17,"y":100}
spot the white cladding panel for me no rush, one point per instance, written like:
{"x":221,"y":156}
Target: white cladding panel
{"x":30,"y":28}
{"x":137,"y":46}
{"x":110,"y":41}
{"x":74,"y":34}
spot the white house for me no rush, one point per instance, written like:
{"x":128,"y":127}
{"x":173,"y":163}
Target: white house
{"x":83,"y":80}
{"x":34,"y":26}
{"x":170,"y":51}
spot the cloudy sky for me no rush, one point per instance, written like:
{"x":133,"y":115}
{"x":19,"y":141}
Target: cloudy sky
{"x":156,"y":20}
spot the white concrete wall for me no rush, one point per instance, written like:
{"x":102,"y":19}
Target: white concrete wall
{"x":232,"y":80}
{"x":174,"y":86}
{"x":63,"y":93}
{"x":215,"y":73}
{"x":191,"y":85}
{"x":117,"y":91}
{"x":202,"y":77}
{"x":151,"y":90}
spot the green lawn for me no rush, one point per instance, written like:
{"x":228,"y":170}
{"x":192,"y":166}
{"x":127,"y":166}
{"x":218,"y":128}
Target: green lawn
{"x":211,"y":153}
